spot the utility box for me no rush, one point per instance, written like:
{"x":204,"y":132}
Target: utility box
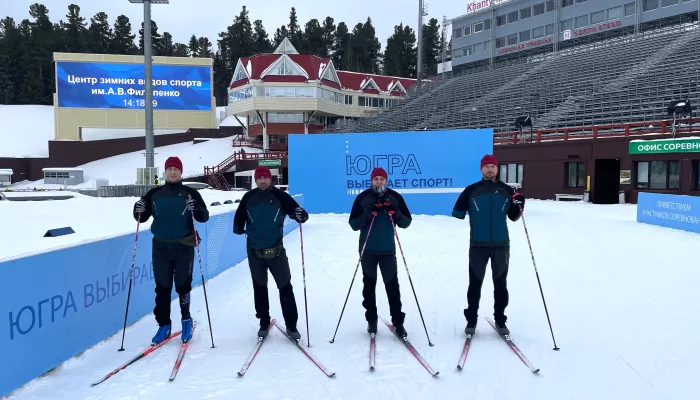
{"x":146,"y":176}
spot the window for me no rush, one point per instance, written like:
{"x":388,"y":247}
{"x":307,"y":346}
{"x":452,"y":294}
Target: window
{"x":538,"y":32}
{"x":615,"y":13}
{"x":630,"y":9}
{"x":549,"y":5}
{"x":500,"y":20}
{"x":467,"y":30}
{"x":457,"y":53}
{"x":668,"y":3}
{"x":658,"y":174}
{"x":512,"y":17}
{"x":524,"y":36}
{"x":467,"y":50}
{"x":285,"y":118}
{"x":240,"y":95}
{"x":487,"y":24}
{"x":287,"y":91}
{"x":566,"y":3}
{"x":487,"y":45}
{"x":525,"y":13}
{"x":549,"y":29}
{"x":477,"y":48}
{"x":566,"y":25}
{"x":511,"y":173}
{"x":58,"y":175}
{"x":580,"y":1}
{"x":285,"y":67}
{"x":457,"y":33}
{"x":648,"y":5}
{"x":576,"y":174}
{"x":500,"y":42}
{"x":240,"y":74}
{"x":581,"y":21}
{"x":478,"y":27}
{"x":598,"y":17}
{"x":512,"y":39}
{"x":538,"y":9}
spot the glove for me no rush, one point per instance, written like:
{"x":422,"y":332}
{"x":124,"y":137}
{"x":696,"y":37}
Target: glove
{"x":519,"y":199}
{"x":390,"y":209}
{"x":191,"y":205}
{"x":377,"y":208}
{"x":301,"y":215}
{"x":140,"y":206}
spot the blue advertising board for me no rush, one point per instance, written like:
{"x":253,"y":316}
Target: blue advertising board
{"x":60,"y":303}
{"x":122,"y":86}
{"x":669,"y":210}
{"x":429,"y":169}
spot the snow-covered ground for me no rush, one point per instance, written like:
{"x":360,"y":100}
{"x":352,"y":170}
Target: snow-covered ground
{"x":27,"y":130}
{"x":91,"y":218}
{"x":621,"y":296}
{"x":121,"y":169}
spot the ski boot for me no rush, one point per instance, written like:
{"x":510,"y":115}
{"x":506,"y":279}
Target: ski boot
{"x":162,"y":334}
{"x":372,"y":327}
{"x":471,"y":328}
{"x":294,"y":333}
{"x":264,"y":328}
{"x":401,"y":331}
{"x":502,"y":328}
{"x":186,"y":334}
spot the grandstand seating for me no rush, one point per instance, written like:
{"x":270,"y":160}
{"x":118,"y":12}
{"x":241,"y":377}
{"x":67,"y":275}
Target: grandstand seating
{"x":630,"y":78}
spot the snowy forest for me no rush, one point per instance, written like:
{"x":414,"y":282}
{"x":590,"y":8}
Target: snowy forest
{"x":26,"y":48}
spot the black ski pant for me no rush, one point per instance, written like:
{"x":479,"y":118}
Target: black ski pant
{"x":478,"y":259}
{"x":172,"y":264}
{"x":388,"y":267}
{"x":279,"y":267}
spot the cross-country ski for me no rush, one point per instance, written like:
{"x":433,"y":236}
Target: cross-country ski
{"x":412,"y":350}
{"x":181,"y":355}
{"x":254,"y":352}
{"x":306,"y":352}
{"x":515,"y":348}
{"x":372,"y":350}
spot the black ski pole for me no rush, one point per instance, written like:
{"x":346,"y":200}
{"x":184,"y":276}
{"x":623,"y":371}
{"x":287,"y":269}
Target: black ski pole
{"x":410,"y":280}
{"x":353,"y":277}
{"x":201,"y":271}
{"x":534,"y":264}
{"x":303,"y":272}
{"x":131,"y":279}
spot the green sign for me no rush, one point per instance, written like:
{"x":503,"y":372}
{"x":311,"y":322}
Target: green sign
{"x":684,"y":145}
{"x":269,"y":163}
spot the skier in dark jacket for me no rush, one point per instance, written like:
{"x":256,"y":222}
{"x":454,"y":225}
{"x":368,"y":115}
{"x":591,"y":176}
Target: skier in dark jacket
{"x":260,"y":215}
{"x":488,"y":203}
{"x":380,"y":202}
{"x":173,"y":244}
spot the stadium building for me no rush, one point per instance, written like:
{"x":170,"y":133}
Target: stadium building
{"x":286,"y":93}
{"x":494,"y":29}
{"x":588,"y":99}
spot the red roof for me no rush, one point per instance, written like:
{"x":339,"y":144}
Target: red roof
{"x":314,"y":67}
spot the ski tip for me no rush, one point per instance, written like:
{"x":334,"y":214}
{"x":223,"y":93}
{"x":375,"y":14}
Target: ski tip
{"x":435,"y":375}
{"x":537,"y":371}
{"x":332,"y":375}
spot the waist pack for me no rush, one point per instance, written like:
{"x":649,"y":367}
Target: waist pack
{"x":188,"y":240}
{"x":270,"y":253}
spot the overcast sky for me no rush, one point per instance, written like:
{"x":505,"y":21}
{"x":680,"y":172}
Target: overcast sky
{"x":182,"y":18}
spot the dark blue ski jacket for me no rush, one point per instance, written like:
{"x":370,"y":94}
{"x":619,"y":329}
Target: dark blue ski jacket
{"x":261,"y":214}
{"x":381,"y":239}
{"x":488,"y":204}
{"x":172,"y":223}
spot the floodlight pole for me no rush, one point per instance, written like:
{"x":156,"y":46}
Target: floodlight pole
{"x":419,"y":66}
{"x":148,"y":76}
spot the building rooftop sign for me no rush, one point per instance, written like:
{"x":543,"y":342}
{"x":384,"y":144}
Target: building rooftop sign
{"x":476,"y":6}
{"x":660,"y":146}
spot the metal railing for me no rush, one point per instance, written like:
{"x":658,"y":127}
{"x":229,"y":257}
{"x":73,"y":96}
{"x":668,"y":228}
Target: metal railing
{"x":124,"y":190}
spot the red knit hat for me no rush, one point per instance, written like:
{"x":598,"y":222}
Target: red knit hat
{"x":378,"y":172}
{"x":262,"y":172}
{"x":489,"y":159}
{"x":173,"y":162}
